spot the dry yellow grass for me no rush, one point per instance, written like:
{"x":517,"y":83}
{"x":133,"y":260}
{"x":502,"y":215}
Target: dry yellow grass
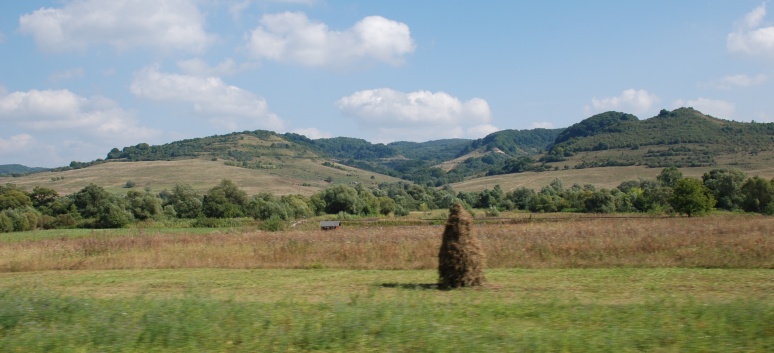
{"x":297,"y":176}
{"x":609,"y":177}
{"x":722,"y":241}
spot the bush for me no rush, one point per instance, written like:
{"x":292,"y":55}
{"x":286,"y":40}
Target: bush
{"x":273,"y":224}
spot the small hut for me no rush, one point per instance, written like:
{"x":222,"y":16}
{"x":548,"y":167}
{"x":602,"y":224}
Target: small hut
{"x":330,"y":225}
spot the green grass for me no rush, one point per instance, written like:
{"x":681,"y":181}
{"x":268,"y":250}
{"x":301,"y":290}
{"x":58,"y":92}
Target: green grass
{"x":205,"y":310}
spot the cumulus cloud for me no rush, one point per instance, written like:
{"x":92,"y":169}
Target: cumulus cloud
{"x":292,"y":37}
{"x":631,"y":101}
{"x":226,"y":107}
{"x":199,"y":67}
{"x":418,"y":115}
{"x":15,"y":144}
{"x":122,"y":24}
{"x":53,"y":120}
{"x":715,"y":107}
{"x":58,"y":110}
{"x":313,"y":133}
{"x":751,"y":38}
{"x":734,"y":81}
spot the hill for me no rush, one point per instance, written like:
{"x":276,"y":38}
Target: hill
{"x":291,"y":163}
{"x":9,"y":169}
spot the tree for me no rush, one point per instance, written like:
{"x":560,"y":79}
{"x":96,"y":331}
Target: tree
{"x":725,"y":185}
{"x":43,"y":197}
{"x":186,"y":201}
{"x":143,"y":205}
{"x":89,"y":199}
{"x":460,"y":258}
{"x":691,"y":197}
{"x":225,"y":200}
{"x":14,"y":198}
{"x":758,"y":195}
{"x":669,"y":176}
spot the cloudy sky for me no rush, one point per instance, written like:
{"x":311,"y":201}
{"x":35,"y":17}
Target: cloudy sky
{"x":79,"y":77}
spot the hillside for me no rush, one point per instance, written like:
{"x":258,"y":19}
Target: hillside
{"x":299,"y":176}
{"x":625,"y":146}
{"x":8,"y":169}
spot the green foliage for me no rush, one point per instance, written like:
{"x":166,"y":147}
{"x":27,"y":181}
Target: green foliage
{"x":18,"y":169}
{"x":691,"y":197}
{"x":225,"y":200}
{"x":725,"y":186}
{"x":669,"y":177}
{"x":275,"y":223}
{"x":184,"y":200}
{"x":758,"y":195}
{"x":143,"y":205}
{"x":12,"y":197}
{"x":608,"y":122}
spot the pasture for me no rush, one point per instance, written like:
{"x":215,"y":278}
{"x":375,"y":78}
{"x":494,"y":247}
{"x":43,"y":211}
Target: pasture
{"x":574,"y":285}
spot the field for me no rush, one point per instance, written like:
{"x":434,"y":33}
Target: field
{"x":608,"y":177}
{"x":294,"y":176}
{"x":553,"y":285}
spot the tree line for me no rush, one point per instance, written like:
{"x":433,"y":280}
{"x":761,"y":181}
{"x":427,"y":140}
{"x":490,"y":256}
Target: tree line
{"x":95,"y":207}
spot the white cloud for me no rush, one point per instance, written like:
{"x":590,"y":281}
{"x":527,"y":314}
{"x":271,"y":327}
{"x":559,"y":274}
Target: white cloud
{"x":313,"y":133}
{"x":631,"y":101}
{"x":15,"y":144}
{"x":482,"y":130}
{"x":62,"y":110}
{"x":733,"y":81}
{"x":198,"y":67}
{"x":292,"y":37}
{"x":227,"y":107}
{"x":715,"y":107}
{"x":750,"y":38}
{"x":122,"y":24}
{"x":418,"y":115}
{"x":66,"y":75}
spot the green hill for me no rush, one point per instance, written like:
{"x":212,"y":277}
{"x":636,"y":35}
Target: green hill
{"x":10,"y":169}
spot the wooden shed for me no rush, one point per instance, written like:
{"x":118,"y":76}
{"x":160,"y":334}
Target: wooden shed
{"x":330,"y":225}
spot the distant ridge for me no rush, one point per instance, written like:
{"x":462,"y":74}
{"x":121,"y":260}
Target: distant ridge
{"x":11,"y":169}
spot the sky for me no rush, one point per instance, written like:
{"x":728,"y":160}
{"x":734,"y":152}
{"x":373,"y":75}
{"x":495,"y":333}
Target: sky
{"x":79,"y":77}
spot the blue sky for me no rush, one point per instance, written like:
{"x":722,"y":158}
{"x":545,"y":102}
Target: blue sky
{"x":79,"y":77}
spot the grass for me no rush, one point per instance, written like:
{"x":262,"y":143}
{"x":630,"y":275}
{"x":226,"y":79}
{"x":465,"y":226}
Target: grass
{"x":553,"y":285}
{"x":589,"y":310}
{"x":722,"y":241}
{"x":297,"y":176}
{"x":608,"y":177}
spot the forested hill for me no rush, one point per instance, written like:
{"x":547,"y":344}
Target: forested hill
{"x":684,"y":137}
{"x":612,"y":130}
{"x":10,"y":169}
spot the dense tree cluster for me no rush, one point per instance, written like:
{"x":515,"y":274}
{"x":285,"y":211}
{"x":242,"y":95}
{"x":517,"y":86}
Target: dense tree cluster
{"x":94,"y":207}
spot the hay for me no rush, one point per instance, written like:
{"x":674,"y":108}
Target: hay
{"x":460,"y":259}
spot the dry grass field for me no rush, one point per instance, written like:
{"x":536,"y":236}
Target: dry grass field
{"x":721,"y":241}
{"x":297,"y":176}
{"x":608,"y":178}
{"x":554,"y":284}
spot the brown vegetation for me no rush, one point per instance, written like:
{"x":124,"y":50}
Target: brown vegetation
{"x":460,"y":260}
{"x":722,"y":241}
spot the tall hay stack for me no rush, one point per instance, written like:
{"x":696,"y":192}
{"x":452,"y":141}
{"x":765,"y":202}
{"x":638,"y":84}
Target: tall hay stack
{"x":460,"y":259}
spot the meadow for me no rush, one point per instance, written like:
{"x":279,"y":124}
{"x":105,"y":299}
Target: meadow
{"x":553,"y":285}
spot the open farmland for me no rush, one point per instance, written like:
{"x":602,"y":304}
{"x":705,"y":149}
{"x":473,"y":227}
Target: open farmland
{"x":555,"y":283}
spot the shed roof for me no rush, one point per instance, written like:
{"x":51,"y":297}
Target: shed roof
{"x":330,"y":223}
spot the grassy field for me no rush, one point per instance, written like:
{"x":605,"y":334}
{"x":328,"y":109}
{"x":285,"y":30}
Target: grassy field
{"x":553,"y":285}
{"x":294,"y":176}
{"x":608,"y":178}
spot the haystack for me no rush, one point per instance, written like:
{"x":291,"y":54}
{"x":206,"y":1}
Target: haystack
{"x":460,"y":259}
